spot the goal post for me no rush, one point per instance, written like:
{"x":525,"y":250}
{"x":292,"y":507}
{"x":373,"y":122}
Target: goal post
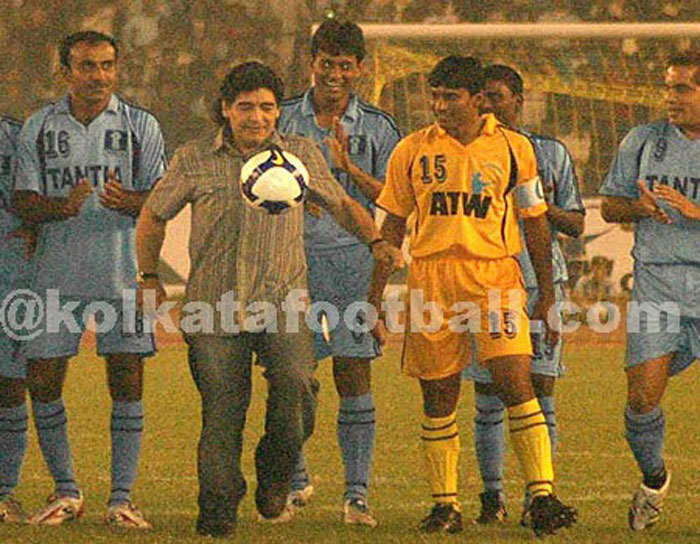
{"x":585,"y":83}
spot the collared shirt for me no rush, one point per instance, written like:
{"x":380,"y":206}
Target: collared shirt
{"x":14,"y":269}
{"x":235,"y":249}
{"x":659,"y":153}
{"x":558,"y":176}
{"x":465,"y":196}
{"x":90,"y":256}
{"x":372,"y":135}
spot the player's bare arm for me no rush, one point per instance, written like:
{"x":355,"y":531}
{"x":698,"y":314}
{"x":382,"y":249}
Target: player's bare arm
{"x":354,"y":218}
{"x":619,"y":209}
{"x":150,"y":233}
{"x":685,"y":207}
{"x":35,"y":208}
{"x":338,"y":146}
{"x":29,"y":234}
{"x":537,"y":237}
{"x":393,"y":231}
{"x":570,"y":222}
{"x":116,"y":198}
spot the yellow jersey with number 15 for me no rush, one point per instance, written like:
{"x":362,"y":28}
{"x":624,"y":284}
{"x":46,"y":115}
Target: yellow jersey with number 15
{"x":467,"y":198}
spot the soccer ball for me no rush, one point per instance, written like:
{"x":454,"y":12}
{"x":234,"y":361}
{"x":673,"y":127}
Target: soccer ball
{"x":274,"y":180}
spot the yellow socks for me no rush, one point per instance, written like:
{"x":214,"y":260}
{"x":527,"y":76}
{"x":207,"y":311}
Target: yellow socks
{"x":441,"y":445}
{"x":530,"y":439}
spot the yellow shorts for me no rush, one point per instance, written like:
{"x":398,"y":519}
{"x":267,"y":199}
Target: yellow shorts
{"x":456,"y":305}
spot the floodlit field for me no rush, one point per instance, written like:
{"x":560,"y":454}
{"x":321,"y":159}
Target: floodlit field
{"x":595,"y":470}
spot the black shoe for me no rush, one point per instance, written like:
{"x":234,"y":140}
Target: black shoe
{"x":271,"y":499}
{"x":443,"y":518}
{"x":548,"y":514}
{"x":493,"y":508}
{"x":217,"y":528}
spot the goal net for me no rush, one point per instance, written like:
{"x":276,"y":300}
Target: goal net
{"x":585,"y":84}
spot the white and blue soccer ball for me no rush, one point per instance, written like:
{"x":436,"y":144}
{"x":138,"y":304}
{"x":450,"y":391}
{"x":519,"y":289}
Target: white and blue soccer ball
{"x":274,"y":180}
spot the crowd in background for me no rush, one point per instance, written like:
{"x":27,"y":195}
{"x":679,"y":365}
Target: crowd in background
{"x":174,"y":50}
{"x":172,"y":53}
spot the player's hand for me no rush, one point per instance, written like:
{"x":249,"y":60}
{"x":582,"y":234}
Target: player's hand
{"x":384,"y":253}
{"x":116,"y":198}
{"x":150,"y":294}
{"x":29,"y":236}
{"x":678,"y":202}
{"x":650,"y":206}
{"x":550,"y":320}
{"x":77,"y":197}
{"x":338,"y":146}
{"x":380,"y":331}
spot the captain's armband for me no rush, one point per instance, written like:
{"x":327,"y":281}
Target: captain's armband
{"x":530,"y":194}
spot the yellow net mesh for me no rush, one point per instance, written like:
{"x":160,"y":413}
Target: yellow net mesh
{"x":586,"y":92}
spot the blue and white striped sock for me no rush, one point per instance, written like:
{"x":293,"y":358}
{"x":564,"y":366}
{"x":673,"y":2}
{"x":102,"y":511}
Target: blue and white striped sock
{"x":356,"y":425}
{"x":127,"y":428}
{"x":52,"y":429}
{"x":489,"y":440}
{"x":645,"y":435}
{"x":13,"y":445}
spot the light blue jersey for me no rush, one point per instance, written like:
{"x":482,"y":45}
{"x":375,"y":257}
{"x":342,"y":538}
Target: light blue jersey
{"x":667,"y":257}
{"x":556,"y":170}
{"x":91,"y":256}
{"x":372,"y":136}
{"x":14,"y":269}
{"x":659,"y":153}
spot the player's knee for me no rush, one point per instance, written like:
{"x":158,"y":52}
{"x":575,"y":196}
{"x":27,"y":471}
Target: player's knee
{"x":352,"y":376}
{"x":125,"y":374}
{"x":642,"y":400}
{"x":44,"y":380}
{"x":353,"y":385}
{"x":543,"y":385}
{"x":12,"y":392}
{"x":487,"y":389}
{"x":440,"y":405}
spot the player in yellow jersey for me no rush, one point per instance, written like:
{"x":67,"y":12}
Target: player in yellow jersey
{"x":467,"y":179}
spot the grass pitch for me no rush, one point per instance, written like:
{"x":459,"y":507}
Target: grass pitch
{"x":595,"y":470}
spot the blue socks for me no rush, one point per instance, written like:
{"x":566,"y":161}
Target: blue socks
{"x":489,"y":440}
{"x":547,"y":405}
{"x":126,"y":427}
{"x":51,"y":427}
{"x":356,"y":424}
{"x":13,"y":445}
{"x":645,"y":435}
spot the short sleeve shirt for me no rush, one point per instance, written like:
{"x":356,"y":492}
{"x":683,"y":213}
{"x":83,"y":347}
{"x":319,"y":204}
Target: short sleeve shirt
{"x":90,"y":256}
{"x":467,"y":199}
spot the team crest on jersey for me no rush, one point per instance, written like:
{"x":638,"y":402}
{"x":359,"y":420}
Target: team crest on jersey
{"x":357,"y":144}
{"x":478,"y":183}
{"x":660,"y":149}
{"x":115,"y":140}
{"x":5,"y":165}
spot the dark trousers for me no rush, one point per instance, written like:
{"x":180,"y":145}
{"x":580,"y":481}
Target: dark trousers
{"x":221,"y":369}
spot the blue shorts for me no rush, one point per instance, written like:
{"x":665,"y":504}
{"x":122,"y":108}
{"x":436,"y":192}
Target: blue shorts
{"x":670,"y":322}
{"x":115,"y":332}
{"x":341,"y":277}
{"x":546,"y":360}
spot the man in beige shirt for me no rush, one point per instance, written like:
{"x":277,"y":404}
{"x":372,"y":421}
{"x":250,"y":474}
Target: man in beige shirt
{"x":238,"y":253}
